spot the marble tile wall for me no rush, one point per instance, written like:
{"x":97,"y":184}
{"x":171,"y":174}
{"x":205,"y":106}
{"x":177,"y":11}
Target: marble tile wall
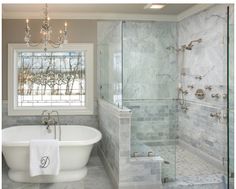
{"x":114,"y":150}
{"x":152,"y":121}
{"x":8,"y":121}
{"x":206,"y":59}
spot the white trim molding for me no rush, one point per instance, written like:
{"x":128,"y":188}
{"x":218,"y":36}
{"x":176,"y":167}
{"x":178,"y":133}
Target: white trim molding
{"x":15,"y":110}
{"x":89,"y":16}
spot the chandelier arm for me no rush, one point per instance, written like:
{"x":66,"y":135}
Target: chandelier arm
{"x":34,"y":44}
{"x":54,"y":44}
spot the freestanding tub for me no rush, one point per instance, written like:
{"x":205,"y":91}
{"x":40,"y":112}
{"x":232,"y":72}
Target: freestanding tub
{"x":75,"y":147}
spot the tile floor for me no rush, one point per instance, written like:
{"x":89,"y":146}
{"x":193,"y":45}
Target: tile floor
{"x":191,"y":171}
{"x":97,"y":178}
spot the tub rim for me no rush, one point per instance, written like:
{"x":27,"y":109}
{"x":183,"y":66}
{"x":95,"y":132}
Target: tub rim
{"x":22,"y":143}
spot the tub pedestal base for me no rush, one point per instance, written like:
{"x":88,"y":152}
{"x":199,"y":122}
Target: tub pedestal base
{"x":64,"y":176}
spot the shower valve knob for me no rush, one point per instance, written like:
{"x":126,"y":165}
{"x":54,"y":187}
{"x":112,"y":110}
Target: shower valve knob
{"x":198,"y":77}
{"x":209,"y":87}
{"x":215,"y":95}
{"x":190,"y":86}
{"x":216,"y":115}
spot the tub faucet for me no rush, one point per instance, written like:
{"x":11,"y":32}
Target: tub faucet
{"x":50,"y":121}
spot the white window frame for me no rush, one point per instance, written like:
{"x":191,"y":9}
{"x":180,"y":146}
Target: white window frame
{"x":15,"y":110}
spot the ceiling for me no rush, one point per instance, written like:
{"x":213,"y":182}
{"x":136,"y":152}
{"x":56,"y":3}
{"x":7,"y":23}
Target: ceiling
{"x":169,"y":9}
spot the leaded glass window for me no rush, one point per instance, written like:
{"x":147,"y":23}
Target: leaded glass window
{"x":51,"y":79}
{"x":60,"y":79}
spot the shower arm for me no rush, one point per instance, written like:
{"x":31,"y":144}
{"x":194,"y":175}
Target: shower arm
{"x":190,"y":45}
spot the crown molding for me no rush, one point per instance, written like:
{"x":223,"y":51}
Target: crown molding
{"x":191,"y":11}
{"x":107,"y":16}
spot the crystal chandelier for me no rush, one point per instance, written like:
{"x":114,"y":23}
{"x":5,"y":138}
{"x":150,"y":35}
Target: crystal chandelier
{"x":46,"y":32}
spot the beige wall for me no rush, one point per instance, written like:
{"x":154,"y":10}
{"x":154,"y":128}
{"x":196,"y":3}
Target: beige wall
{"x":79,"y":31}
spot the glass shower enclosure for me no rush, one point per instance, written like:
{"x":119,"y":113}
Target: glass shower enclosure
{"x":139,"y":71}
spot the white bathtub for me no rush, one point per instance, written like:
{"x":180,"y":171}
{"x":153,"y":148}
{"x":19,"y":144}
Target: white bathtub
{"x":75,"y":148}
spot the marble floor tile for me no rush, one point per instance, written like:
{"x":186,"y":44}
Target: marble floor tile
{"x":97,"y":178}
{"x":189,"y":164}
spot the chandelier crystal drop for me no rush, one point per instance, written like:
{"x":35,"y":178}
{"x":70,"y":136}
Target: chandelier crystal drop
{"x":46,"y":32}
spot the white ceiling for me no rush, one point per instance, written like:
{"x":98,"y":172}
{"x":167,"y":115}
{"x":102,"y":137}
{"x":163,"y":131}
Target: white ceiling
{"x":169,"y":9}
{"x":171,"y":12}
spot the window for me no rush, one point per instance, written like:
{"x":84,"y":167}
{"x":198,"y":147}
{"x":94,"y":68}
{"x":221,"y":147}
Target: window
{"x":60,"y":79}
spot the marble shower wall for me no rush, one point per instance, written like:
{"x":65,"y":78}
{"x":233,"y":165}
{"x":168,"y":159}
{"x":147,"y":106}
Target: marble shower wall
{"x":207,"y":59}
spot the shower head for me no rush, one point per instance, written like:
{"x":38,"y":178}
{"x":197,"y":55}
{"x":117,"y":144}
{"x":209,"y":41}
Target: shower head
{"x":190,"y":45}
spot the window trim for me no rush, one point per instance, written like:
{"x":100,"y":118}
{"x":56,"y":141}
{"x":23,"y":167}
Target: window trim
{"x":14,"y":110}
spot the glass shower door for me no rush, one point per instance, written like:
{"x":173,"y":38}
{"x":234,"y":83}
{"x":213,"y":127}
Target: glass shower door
{"x":149,"y":90}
